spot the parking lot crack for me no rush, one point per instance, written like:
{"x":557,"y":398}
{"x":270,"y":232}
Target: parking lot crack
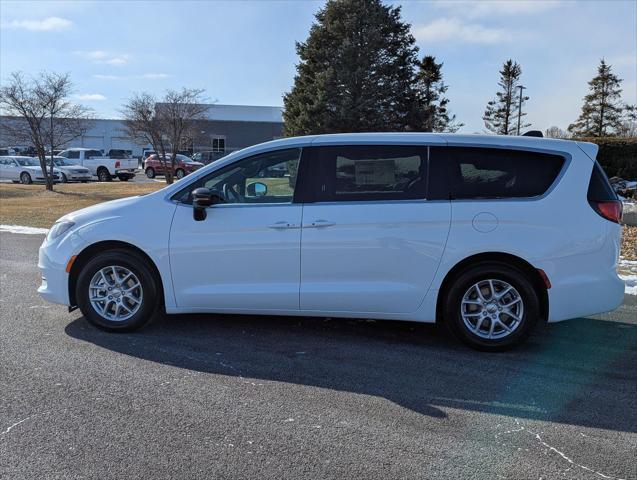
{"x":14,"y":425}
{"x":551,"y":448}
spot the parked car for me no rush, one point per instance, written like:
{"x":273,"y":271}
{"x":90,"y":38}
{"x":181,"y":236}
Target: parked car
{"x":207,"y":157}
{"x":7,"y":152}
{"x":105,"y":168}
{"x":183,"y":166}
{"x":69,"y":171}
{"x":487,"y":234}
{"x":24,"y":170}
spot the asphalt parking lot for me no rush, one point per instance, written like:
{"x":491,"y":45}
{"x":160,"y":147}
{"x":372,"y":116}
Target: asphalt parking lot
{"x":256,"y":397}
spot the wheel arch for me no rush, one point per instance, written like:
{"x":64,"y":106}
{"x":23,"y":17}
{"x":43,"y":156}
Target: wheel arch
{"x":85,"y":255}
{"x":495,"y":257}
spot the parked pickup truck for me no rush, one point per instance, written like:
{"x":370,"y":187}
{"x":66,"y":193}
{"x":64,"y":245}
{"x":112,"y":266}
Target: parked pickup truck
{"x":105,"y":168}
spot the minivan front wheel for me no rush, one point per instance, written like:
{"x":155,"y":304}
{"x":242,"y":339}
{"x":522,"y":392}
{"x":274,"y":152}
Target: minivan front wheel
{"x":492,"y":306}
{"x":116,"y":291}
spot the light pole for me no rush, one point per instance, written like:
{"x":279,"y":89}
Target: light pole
{"x":520,"y":108}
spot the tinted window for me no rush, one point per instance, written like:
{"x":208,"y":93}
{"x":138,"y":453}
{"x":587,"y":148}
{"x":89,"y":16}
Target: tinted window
{"x":71,"y":154}
{"x":369,"y":172}
{"x":463,"y":172}
{"x":92,"y":153}
{"x":599,"y":188}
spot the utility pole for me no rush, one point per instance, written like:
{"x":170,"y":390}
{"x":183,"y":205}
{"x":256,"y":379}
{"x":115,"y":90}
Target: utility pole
{"x":520,"y":108}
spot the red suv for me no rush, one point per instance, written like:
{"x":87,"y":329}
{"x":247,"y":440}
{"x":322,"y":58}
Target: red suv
{"x":183,"y":166}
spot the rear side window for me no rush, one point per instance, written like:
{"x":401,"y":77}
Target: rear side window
{"x":369,"y":172}
{"x":92,"y":153}
{"x":468,"y":172}
{"x":599,"y":189}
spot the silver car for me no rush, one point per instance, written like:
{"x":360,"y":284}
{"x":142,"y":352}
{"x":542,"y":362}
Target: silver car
{"x":69,"y":171}
{"x":24,"y":170}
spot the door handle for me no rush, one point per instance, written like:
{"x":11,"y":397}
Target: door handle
{"x":320,"y":224}
{"x":282,"y":225}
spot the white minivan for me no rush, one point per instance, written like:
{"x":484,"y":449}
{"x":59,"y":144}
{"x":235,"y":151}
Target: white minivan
{"x":488,"y":234}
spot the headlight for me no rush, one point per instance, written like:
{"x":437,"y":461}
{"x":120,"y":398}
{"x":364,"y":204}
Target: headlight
{"x":58,"y":229}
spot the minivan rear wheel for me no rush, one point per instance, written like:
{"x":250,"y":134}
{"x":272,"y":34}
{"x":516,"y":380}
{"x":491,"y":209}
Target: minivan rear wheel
{"x":116,"y":291}
{"x":491,"y":306}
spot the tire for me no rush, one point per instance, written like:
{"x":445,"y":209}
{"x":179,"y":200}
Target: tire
{"x":180,"y":173}
{"x":123,"y":261}
{"x":470,"y":318}
{"x":64,"y":178}
{"x":25,"y":178}
{"x":103,"y":175}
{"x":150,"y":172}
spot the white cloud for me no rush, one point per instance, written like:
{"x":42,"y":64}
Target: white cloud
{"x":49,"y":24}
{"x":455,"y":30}
{"x":91,"y":97}
{"x":155,"y":76}
{"x":106,"y":77}
{"x":486,"y":8}
{"x":100,"y":56}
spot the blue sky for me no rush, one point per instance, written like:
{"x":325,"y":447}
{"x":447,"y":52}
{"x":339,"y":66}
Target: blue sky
{"x":242,"y":52}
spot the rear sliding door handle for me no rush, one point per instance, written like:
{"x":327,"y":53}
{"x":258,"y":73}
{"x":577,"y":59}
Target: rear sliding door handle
{"x":320,"y":224}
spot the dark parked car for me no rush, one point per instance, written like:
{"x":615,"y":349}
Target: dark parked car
{"x":183,"y":166}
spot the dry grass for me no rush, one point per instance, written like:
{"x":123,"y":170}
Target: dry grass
{"x":33,"y":206}
{"x":629,"y":243}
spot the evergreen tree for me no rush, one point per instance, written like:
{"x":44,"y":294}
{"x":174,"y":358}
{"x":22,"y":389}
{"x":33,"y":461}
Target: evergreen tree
{"x":502,"y":113}
{"x":355,"y":72}
{"x":432,"y":115}
{"x":603,"y":112}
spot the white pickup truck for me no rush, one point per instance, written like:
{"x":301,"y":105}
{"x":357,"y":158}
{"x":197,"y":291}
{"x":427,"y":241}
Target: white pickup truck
{"x":105,"y":168}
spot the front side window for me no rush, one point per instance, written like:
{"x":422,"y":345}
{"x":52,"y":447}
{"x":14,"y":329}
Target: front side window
{"x":475,"y":172}
{"x":370,"y":172}
{"x":75,"y":154}
{"x":266,"y":178}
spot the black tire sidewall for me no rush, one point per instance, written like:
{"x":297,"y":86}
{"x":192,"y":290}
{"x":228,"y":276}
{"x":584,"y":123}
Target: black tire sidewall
{"x":474,"y":274}
{"x":183,"y":173}
{"x":132,"y":262}
{"x":103,"y":177}
{"x":28,"y":178}
{"x":150,"y":172}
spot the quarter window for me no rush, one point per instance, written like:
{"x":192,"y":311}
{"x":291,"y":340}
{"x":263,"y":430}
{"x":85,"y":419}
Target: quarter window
{"x":467,"y":172}
{"x":370,"y":172}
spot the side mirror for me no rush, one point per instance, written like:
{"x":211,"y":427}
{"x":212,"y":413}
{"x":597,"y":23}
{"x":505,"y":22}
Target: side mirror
{"x":201,"y":199}
{"x":256,"y":189}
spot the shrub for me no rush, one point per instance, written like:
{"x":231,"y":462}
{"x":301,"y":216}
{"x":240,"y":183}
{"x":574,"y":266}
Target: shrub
{"x":617,"y":155}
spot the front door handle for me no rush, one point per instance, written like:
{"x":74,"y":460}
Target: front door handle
{"x":320,"y":224}
{"x":283,"y":225}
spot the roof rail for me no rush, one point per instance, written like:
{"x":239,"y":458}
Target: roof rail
{"x":533,"y":133}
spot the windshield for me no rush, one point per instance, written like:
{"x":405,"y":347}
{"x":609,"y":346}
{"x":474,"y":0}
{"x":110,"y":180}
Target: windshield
{"x":27,"y":162}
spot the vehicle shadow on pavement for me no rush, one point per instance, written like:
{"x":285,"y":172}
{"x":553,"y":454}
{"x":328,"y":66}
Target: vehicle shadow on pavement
{"x":580,"y":372}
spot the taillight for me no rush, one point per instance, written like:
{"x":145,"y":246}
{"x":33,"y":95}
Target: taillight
{"x":117,"y":164}
{"x":610,"y":210}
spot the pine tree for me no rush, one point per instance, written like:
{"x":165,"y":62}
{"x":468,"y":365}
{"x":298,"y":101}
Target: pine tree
{"x":603,"y":112}
{"x":432,"y":115}
{"x":502,"y":113}
{"x":355,"y":72}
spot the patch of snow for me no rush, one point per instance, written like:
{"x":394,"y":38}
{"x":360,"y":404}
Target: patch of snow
{"x":631,"y":283}
{"x":627,"y":270}
{"x":23,"y":230}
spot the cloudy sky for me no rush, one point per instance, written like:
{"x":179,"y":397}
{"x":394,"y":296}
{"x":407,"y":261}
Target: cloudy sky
{"x":243,"y":52}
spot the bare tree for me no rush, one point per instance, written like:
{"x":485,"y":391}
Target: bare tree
{"x":556,"y":132}
{"x":42,"y":114}
{"x":165,"y":124}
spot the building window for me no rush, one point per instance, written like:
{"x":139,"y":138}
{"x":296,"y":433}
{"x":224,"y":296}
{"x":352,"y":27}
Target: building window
{"x":219,"y":145}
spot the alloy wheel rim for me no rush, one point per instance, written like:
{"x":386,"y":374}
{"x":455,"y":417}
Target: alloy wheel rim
{"x":492,"y":309}
{"x":115,"y":293}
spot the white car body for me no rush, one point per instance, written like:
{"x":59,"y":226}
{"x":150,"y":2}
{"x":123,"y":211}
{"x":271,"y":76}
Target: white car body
{"x":377,"y":259}
{"x":73,"y":173}
{"x":89,"y":158}
{"x":11,"y":168}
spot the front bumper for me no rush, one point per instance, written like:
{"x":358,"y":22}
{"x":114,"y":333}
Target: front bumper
{"x":55,"y":280}
{"x":78,"y":177}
